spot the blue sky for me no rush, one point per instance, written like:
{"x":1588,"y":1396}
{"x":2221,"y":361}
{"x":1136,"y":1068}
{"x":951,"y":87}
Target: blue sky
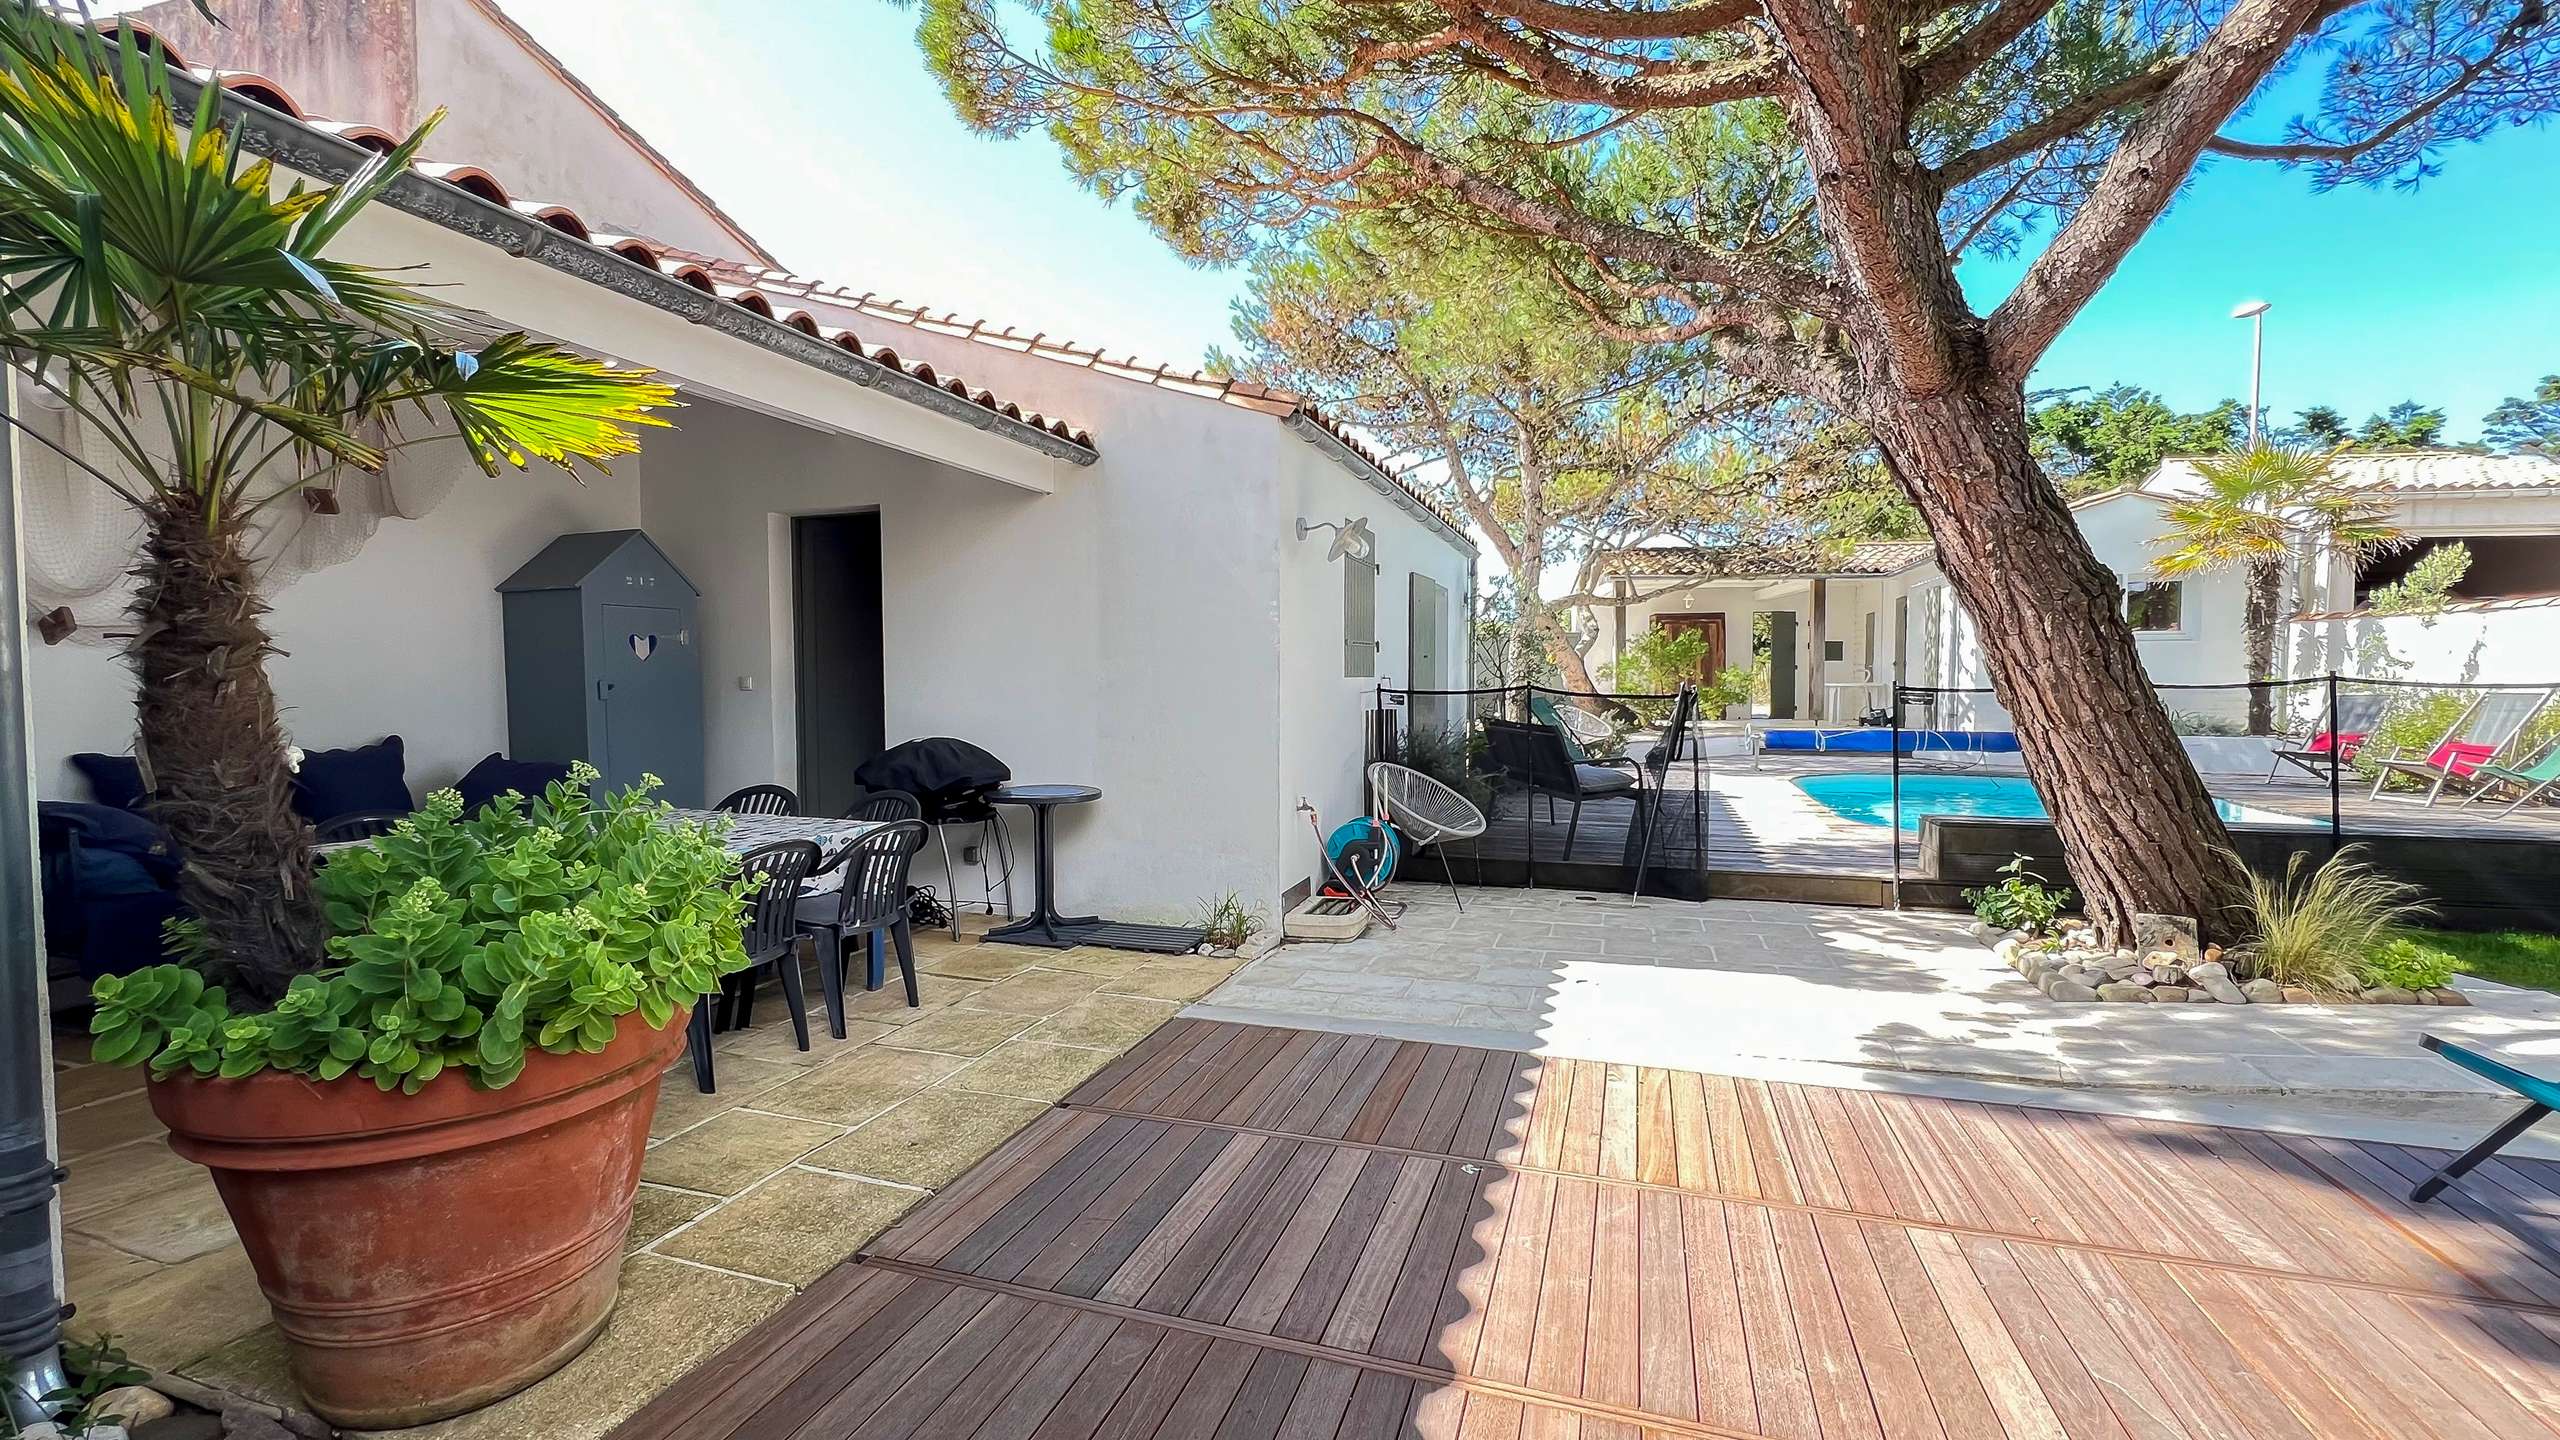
{"x":820,"y":130}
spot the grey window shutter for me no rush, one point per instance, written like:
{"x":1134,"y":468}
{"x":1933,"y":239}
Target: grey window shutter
{"x":1359,"y":617}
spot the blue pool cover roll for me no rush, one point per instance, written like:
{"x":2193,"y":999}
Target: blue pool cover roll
{"x":1876,"y":740}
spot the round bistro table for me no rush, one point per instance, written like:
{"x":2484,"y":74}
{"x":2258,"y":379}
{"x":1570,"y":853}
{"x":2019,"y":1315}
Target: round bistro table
{"x":1044,"y":926}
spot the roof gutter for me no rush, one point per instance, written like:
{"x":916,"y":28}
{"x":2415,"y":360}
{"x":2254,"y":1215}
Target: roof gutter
{"x":1370,"y":475}
{"x":300,"y":147}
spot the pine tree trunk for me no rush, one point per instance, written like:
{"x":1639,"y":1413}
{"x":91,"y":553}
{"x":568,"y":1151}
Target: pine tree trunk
{"x":213,"y":754}
{"x":2138,"y":828}
{"x":2266,"y":595}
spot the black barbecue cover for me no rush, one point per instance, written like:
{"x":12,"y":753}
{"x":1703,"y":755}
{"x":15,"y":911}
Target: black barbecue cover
{"x":933,"y":768}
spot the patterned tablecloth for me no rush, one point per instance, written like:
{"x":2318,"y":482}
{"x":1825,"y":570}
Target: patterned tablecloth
{"x":754,"y":832}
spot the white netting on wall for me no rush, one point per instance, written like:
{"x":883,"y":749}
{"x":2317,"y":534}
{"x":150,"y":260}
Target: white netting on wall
{"x":82,"y":539}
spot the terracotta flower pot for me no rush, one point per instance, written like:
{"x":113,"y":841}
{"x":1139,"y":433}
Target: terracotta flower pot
{"x":427,"y":1254}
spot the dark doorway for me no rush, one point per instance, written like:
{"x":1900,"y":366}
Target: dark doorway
{"x":1782,"y":662}
{"x":842,"y":665}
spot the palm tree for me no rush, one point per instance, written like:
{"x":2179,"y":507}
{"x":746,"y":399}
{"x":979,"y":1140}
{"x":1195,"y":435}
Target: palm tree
{"x":2258,"y":508}
{"x":181,"y":302}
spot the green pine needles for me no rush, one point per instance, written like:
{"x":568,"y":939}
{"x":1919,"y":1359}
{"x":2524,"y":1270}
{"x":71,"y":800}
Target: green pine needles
{"x":464,"y":943}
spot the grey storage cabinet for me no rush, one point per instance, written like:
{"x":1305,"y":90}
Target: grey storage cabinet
{"x":604,"y":661}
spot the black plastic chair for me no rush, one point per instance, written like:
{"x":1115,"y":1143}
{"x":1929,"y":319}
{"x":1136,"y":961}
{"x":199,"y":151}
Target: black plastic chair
{"x":886,"y":807}
{"x":772,"y":942}
{"x":356,"y":825}
{"x":872,"y":902}
{"x":1536,"y":758}
{"x":760,"y":800}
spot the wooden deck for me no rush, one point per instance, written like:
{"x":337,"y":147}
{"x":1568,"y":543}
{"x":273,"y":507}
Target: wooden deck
{"x":1249,"y":1233}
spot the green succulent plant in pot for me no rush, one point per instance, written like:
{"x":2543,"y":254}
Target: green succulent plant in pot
{"x":422,"y":1074}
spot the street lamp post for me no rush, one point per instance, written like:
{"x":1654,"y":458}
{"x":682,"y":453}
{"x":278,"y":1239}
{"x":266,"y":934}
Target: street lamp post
{"x":2255,"y":312}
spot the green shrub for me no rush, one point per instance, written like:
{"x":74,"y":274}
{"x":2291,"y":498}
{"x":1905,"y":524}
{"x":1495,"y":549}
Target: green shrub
{"x":1449,"y":756}
{"x":464,"y":943}
{"x":2407,"y":963}
{"x":2019,"y":902}
{"x":2319,"y":930}
{"x":1659,"y":662}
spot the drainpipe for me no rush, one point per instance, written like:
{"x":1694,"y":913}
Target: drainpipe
{"x":30,"y":1294}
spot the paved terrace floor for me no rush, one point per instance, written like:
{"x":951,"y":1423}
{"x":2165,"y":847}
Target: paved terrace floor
{"x":1861,"y":997}
{"x":746,"y":1195}
{"x":1251,"y":1233}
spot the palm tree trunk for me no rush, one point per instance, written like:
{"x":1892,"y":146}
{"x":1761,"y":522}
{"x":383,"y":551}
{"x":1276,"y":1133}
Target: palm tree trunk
{"x":2266,"y":596}
{"x":213,"y":753}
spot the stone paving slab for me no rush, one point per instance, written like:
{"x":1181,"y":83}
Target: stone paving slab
{"x":1840,"y":995}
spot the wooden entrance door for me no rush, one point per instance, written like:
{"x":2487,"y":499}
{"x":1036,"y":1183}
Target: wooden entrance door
{"x":1713,"y":625}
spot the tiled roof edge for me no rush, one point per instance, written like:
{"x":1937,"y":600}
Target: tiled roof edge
{"x":1244,"y":394}
{"x":468,"y":201}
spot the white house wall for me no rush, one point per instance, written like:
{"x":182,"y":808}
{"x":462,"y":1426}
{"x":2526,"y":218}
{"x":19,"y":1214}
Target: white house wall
{"x":1322,"y":710}
{"x":404,"y":639}
{"x":1112,"y":634}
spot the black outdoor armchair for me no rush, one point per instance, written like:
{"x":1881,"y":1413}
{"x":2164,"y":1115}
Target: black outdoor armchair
{"x":1536,"y":758}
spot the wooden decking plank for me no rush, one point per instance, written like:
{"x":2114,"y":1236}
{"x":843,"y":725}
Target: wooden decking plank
{"x":1717,"y":1340}
{"x":1404,"y":1330}
{"x":2060,"y":1375}
{"x":1338,"y":1251}
{"x":1175,"y":1036}
{"x":1268,"y":1290}
{"x":1612,"y":1368}
{"x":1115,"y":1367}
{"x":1841,"y":1399}
{"x":1173,"y":1230}
{"x":1781,"y":1387}
{"x":1251,"y":1233}
{"x":1558,"y":1345}
{"x":1666,"y":1383}
{"x":1363,"y":1303}
{"x":1403,"y":1126}
{"x":1174,"y":1148}
{"x":1955,"y":1390}
{"x":1904,"y":1408}
{"x":1620,"y":1120}
{"x":1510,"y":1317}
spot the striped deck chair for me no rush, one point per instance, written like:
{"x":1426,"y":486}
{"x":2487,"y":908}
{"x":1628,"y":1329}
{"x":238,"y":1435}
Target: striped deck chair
{"x":2335,"y":740}
{"x":2480,"y":737}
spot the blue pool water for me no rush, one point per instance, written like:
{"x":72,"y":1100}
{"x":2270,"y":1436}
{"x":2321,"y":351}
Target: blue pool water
{"x":1868,"y":799}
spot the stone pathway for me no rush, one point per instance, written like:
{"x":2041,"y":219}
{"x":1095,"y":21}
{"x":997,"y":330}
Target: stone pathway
{"x":746,"y":1195}
{"x":1840,"y":996}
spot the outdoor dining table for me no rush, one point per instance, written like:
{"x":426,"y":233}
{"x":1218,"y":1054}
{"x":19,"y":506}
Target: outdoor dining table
{"x":1044,"y":926}
{"x":754,"y":832}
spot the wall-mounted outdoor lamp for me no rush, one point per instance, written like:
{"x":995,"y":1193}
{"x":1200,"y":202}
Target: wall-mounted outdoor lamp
{"x":1351,"y":537}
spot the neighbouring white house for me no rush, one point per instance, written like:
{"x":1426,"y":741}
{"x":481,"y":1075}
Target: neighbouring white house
{"x":893,"y":532}
{"x":1840,"y":634}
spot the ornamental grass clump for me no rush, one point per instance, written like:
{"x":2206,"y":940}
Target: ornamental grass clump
{"x":2319,"y":931}
{"x":463,"y":943}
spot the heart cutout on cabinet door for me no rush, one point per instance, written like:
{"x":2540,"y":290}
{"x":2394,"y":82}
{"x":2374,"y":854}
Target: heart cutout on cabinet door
{"x":644,"y":646}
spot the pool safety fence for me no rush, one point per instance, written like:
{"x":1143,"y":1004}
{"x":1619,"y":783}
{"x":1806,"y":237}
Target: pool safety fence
{"x":1933,"y":794}
{"x":2393,"y":766}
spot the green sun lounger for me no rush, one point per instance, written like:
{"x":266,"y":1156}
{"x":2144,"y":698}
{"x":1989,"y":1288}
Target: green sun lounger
{"x":2544,"y":1096}
{"x":2530,"y":781}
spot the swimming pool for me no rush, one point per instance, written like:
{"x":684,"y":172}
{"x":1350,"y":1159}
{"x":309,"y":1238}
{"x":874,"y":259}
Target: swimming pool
{"x":1868,"y":799}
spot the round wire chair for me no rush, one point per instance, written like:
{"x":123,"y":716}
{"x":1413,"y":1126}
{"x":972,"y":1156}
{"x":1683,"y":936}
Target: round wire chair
{"x":1594,"y":734}
{"x":1427,"y":813}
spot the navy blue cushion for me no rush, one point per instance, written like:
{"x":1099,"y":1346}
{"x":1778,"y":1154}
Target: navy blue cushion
{"x":115,"y":781}
{"x":339,"y":782}
{"x":497,"y":775}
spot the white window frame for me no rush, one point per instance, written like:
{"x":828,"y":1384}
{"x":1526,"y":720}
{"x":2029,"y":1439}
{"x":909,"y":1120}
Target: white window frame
{"x":2184,"y":629}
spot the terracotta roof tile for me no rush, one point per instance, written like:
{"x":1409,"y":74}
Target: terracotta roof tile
{"x":697,"y":271}
{"x":1245,"y":394}
{"x":1872,"y":557}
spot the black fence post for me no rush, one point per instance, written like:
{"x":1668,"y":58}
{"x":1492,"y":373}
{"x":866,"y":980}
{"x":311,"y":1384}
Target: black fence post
{"x":1894,"y":751}
{"x":2337,"y":764}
